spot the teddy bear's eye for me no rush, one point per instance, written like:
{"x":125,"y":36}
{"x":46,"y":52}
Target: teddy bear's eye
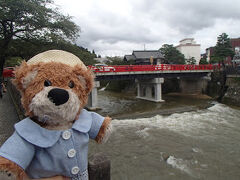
{"x":47,"y":83}
{"x":71,"y":84}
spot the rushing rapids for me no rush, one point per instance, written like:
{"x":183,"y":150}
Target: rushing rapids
{"x":184,"y":138}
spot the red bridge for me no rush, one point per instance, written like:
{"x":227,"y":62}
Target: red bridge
{"x":160,"y":67}
{"x":149,"y":78}
{"x":151,"y":71}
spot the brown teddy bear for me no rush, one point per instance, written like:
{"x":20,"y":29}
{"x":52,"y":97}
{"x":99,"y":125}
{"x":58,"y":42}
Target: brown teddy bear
{"x":53,"y":140}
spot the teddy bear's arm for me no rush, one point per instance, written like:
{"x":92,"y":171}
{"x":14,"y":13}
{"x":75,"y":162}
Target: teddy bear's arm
{"x":9,"y":168}
{"x":11,"y":171}
{"x":104,"y":131}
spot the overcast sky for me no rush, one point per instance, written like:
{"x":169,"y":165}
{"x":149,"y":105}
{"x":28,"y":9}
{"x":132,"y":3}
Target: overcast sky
{"x":117,"y":27}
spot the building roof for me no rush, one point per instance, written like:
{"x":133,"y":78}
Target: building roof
{"x":187,"y":44}
{"x":146,"y":54}
{"x":235,"y":39}
{"x":129,"y":57}
{"x":186,"y":39}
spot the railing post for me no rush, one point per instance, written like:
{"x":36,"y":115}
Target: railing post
{"x":93,"y":97}
{"x":99,"y":167}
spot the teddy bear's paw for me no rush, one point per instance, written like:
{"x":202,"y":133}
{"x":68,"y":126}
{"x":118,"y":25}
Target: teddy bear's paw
{"x":107,"y":134}
{"x":6,"y":175}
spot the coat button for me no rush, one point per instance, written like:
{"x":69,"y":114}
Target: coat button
{"x":66,"y":134}
{"x":71,"y":153}
{"x":75,"y":170}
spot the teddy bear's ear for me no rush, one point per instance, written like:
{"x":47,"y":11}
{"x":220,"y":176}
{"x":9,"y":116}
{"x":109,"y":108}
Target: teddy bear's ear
{"x":24,"y":74}
{"x":85,"y":77}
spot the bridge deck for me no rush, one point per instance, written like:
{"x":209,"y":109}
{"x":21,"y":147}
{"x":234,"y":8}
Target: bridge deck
{"x":110,"y":73}
{"x":151,"y":71}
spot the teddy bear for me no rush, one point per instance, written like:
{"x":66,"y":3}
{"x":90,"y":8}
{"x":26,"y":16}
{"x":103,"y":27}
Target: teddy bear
{"x":52,"y":141}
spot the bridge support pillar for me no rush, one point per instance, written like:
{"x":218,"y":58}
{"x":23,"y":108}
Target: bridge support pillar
{"x":93,"y":97}
{"x":150,"y":89}
{"x":193,"y":85}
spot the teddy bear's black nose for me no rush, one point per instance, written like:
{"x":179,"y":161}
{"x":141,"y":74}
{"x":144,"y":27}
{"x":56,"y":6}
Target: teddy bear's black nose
{"x":58,"y":96}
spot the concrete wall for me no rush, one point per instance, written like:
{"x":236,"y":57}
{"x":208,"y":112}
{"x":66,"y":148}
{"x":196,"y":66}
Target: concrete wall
{"x":190,"y":49}
{"x":93,"y":97}
{"x":150,"y":89}
{"x":193,"y":86}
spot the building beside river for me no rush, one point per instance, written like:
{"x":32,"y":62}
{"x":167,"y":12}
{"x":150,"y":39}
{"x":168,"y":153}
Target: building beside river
{"x":145,"y":57}
{"x":235,"y":44}
{"x":190,"y":49}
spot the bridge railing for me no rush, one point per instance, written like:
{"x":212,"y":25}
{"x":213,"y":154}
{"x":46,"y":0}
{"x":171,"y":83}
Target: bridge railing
{"x":160,"y":67}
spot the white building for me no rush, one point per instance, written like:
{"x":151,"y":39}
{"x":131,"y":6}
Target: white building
{"x":190,"y":49}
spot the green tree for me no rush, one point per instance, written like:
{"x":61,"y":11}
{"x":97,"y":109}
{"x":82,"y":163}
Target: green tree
{"x":93,"y":52}
{"x":172,"y":55}
{"x":203,"y":61}
{"x":223,"y":48}
{"x":31,"y":20}
{"x":191,"y":60}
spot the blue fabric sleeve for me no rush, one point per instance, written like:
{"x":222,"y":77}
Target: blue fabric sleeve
{"x":97,"y":121}
{"x":18,"y":150}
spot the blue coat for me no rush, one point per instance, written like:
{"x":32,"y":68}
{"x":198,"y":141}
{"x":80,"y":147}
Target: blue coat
{"x":45,"y":153}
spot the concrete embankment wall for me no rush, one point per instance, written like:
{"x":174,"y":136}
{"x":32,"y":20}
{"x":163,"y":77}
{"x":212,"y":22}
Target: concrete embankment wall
{"x":16,"y":98}
{"x":224,"y":88}
{"x":232,"y":95}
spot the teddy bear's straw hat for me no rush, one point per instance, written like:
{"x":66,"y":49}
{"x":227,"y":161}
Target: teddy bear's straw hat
{"x":57,"y":56}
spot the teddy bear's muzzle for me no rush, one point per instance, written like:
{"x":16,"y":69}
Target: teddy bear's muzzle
{"x":58,"y":96}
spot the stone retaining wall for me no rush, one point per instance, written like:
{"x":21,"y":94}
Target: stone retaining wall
{"x":232,"y":95}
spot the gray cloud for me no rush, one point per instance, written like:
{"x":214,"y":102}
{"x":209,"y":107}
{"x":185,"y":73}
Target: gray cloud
{"x":190,"y":16}
{"x":121,"y":26}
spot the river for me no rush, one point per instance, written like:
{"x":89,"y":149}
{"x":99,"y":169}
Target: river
{"x":183,"y":138}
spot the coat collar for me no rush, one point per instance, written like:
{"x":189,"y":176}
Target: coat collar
{"x":42,"y":137}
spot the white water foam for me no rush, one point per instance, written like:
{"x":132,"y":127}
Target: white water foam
{"x":201,"y":122}
{"x":179,"y":164}
{"x":197,"y":150}
{"x":143,"y":132}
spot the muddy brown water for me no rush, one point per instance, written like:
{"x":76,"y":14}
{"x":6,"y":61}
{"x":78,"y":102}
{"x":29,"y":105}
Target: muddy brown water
{"x":184,"y":138}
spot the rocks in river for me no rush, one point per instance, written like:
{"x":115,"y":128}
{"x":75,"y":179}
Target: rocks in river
{"x":165,"y":157}
{"x":196,"y":150}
